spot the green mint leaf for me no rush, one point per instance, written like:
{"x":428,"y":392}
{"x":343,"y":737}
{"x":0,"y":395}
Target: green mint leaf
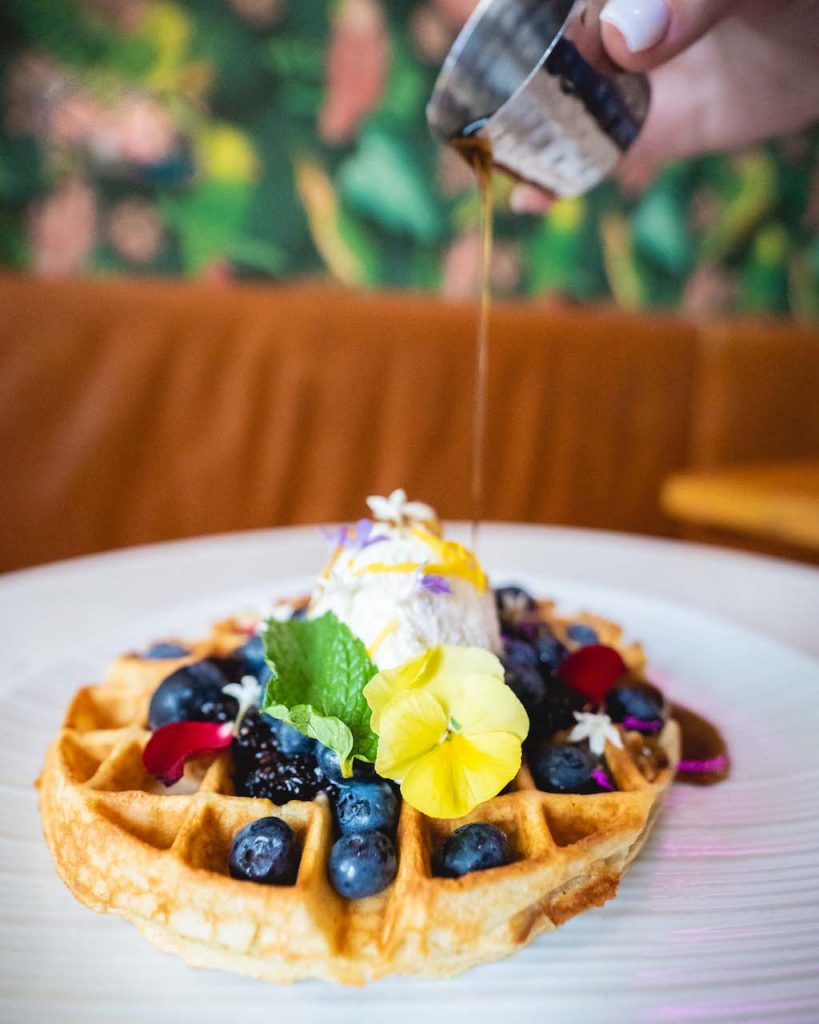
{"x":319,"y":672}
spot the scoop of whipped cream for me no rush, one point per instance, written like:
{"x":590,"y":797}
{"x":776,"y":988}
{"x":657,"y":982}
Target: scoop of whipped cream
{"x":401,"y":588}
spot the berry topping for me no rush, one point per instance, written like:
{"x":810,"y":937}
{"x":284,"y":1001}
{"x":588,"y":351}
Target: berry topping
{"x":171,"y":746}
{"x":556,"y":710}
{"x":638,"y":705}
{"x":362,"y":864}
{"x":473,"y":848}
{"x":192,"y":693}
{"x":262,"y":769}
{"x":165,"y":649}
{"x":519,"y":651}
{"x":252,"y":654}
{"x":580,"y":633}
{"x":562,"y":768}
{"x":361,"y":806}
{"x":548,"y":650}
{"x":264,"y":851}
{"x":592,"y":670}
{"x":524,"y":680}
{"x":329,"y":764}
{"x":291,"y":741}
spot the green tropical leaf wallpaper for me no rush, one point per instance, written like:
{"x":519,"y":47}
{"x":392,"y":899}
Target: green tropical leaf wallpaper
{"x":232,"y":139}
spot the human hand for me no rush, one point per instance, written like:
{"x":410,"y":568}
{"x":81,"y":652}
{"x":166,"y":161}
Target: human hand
{"x":724,"y":74}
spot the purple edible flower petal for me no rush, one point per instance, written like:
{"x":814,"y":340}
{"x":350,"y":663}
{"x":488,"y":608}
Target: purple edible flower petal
{"x":602,"y":779}
{"x":435,"y":584}
{"x":362,"y":535}
{"x":337,"y":536}
{"x":712,"y":764}
{"x":643,"y":724}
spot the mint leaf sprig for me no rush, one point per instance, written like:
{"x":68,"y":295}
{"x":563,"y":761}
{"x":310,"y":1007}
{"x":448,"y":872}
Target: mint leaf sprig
{"x":319,"y":672}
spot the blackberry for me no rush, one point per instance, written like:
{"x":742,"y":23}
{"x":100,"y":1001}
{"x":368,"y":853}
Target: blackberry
{"x":262,"y":769}
{"x":280,"y":779}
{"x":257,"y":735}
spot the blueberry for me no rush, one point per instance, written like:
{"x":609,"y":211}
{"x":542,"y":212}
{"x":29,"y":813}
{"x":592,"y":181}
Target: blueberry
{"x":192,"y":693}
{"x":562,"y":768}
{"x":165,"y":649}
{"x":252,"y":654}
{"x":550,"y":650}
{"x":362,"y":864}
{"x":264,"y":851}
{"x":329,"y":764}
{"x":520,"y":651}
{"x":362,"y":806}
{"x":582,"y":634}
{"x":473,"y":848}
{"x":634,"y":699}
{"x":512,"y":601}
{"x":525,"y":681}
{"x":555,"y":712}
{"x":290,"y":741}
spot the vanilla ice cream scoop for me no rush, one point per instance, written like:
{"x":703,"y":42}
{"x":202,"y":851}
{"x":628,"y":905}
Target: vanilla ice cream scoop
{"x":402,"y":589}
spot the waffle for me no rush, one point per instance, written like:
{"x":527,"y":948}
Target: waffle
{"x":124,"y":844}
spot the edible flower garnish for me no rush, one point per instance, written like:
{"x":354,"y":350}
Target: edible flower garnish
{"x":398,"y":511}
{"x":353,"y":538}
{"x":450,"y":729}
{"x":592,"y":670}
{"x":597,"y":729}
{"x":432,"y":582}
{"x":602,"y":779}
{"x":171,"y":746}
{"x":168,"y":749}
{"x":643,"y":724}
{"x":247,"y":693}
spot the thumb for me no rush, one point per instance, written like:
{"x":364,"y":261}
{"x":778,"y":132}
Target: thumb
{"x":642,"y":34}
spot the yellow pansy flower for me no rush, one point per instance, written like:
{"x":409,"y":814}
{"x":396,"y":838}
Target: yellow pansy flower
{"x":450,"y":729}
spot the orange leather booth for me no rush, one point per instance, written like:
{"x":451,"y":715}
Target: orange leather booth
{"x":135,"y":411}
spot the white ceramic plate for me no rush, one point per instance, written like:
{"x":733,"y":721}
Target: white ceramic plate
{"x":717,"y":921}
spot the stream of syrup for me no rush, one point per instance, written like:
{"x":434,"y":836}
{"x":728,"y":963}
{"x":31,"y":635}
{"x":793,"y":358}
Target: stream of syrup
{"x":705,"y":759}
{"x":478,"y":154}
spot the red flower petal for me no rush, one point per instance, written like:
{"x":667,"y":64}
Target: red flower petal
{"x":170,"y":747}
{"x":592,"y":670}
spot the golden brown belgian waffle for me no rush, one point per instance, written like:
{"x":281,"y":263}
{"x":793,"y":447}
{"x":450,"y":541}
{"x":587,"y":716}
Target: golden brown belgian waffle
{"x":124,"y":844}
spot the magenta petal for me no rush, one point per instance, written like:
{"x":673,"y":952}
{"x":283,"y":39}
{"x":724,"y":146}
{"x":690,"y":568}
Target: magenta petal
{"x":592,"y":670}
{"x":171,"y":746}
{"x":643,"y":724}
{"x":710,"y":764}
{"x":602,"y":779}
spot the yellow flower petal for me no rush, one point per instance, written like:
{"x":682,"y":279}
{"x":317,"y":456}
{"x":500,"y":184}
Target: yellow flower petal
{"x":461,"y":773}
{"x":445,"y":661}
{"x":412,"y":724}
{"x":390,"y":682}
{"x":478,"y":704}
{"x":449,"y":660}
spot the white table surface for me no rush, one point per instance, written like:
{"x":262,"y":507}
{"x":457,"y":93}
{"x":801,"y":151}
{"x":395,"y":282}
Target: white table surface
{"x":61,"y":623}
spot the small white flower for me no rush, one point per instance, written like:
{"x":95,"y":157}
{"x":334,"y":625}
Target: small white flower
{"x":515,"y":606}
{"x":280,"y":611}
{"x":596,"y":729}
{"x":334,"y":592}
{"x":248,"y":693}
{"x":396,"y":509}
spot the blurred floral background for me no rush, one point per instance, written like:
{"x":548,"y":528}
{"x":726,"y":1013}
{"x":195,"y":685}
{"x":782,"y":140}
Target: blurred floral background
{"x":233,"y":139}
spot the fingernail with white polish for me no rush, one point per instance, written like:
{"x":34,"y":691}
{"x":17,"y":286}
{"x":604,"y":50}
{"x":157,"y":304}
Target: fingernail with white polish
{"x":641,"y":22}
